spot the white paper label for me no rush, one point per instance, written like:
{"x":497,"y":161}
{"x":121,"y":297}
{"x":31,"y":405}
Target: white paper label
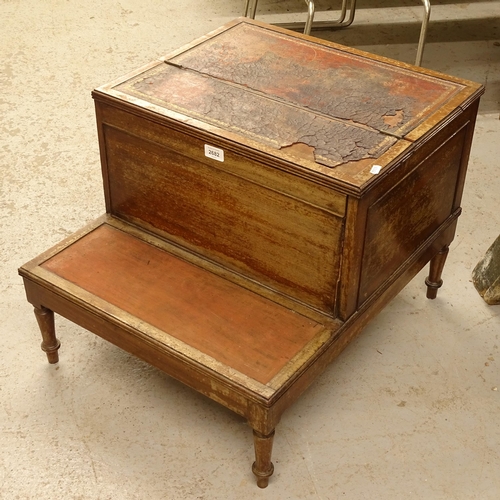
{"x":375,"y":169}
{"x":214,"y":153}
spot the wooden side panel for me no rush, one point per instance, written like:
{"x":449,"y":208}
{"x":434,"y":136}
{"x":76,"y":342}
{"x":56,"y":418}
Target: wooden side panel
{"x":277,"y":239}
{"x":407,"y":214}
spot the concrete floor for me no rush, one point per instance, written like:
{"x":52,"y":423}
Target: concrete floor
{"x":409,"y":410}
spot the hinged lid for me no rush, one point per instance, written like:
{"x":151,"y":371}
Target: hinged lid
{"x":294,"y":95}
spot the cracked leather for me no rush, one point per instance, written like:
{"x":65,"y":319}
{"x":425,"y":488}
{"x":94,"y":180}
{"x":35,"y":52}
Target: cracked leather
{"x":269,"y":121}
{"x":283,"y":91}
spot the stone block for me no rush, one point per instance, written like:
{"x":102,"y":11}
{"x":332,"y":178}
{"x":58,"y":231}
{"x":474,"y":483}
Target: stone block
{"x":486,"y":274}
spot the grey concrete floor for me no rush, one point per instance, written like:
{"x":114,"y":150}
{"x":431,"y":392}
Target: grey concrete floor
{"x":409,"y":410}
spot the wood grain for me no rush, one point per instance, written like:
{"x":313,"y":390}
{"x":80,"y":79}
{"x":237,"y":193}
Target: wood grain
{"x":405,"y":216}
{"x":244,"y":278}
{"x":236,"y":327}
{"x":281,"y":241}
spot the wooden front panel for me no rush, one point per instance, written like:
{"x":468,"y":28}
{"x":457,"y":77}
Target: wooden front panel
{"x":406,"y":215}
{"x":283,"y":242}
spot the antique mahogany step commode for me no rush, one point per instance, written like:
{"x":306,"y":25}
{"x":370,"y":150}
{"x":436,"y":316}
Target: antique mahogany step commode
{"x":267,"y":194}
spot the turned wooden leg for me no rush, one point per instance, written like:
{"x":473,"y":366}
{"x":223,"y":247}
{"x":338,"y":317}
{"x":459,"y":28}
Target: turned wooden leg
{"x":263,"y":468}
{"x":434,"y":281}
{"x":50,"y":344}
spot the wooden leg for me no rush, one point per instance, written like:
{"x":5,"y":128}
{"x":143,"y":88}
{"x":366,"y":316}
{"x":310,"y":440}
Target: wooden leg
{"x":50,"y":344}
{"x":263,"y":468}
{"x":434,"y":281}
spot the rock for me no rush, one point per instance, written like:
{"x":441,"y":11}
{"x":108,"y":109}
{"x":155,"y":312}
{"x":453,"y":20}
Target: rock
{"x":486,"y":275}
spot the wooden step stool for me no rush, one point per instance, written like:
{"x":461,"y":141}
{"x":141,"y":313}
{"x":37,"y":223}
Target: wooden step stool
{"x":267,"y":194}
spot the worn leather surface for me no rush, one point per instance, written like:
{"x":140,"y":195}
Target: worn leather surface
{"x":286,"y":92}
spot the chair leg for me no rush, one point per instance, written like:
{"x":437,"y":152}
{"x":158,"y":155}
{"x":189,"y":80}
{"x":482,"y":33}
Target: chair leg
{"x":250,"y":8}
{"x":50,"y":344}
{"x":434,"y":281}
{"x":340,"y":22}
{"x":310,"y":17}
{"x":423,"y":32}
{"x":263,"y":468}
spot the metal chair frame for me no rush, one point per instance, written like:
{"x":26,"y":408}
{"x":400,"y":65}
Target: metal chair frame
{"x":341,"y":22}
